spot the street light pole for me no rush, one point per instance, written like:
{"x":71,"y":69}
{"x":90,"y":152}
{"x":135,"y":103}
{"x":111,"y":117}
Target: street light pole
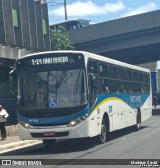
{"x":54,"y":3}
{"x":65,"y":9}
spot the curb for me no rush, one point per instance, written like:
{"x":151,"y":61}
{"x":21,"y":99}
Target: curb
{"x":15,"y":145}
{"x":12,"y":130}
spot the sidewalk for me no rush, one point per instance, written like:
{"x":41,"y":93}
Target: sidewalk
{"x":13,"y":142}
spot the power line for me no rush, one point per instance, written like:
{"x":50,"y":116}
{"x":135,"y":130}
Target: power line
{"x":54,"y":3}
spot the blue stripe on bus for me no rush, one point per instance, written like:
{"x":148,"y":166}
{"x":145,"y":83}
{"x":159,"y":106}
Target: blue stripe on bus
{"x":52,"y":120}
{"x":132,"y":100}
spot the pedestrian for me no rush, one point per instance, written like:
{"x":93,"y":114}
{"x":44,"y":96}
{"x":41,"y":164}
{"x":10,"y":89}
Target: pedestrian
{"x":155,"y":101}
{"x":3,"y":116}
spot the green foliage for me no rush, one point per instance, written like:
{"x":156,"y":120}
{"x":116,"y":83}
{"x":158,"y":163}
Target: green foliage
{"x":60,"y":39}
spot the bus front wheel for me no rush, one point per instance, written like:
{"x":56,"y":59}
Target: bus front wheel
{"x":104,"y":133}
{"x":49,"y":143}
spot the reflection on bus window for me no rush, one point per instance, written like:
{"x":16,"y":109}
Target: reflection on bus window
{"x":54,"y":89}
{"x":70,"y":84}
{"x":34,"y":90}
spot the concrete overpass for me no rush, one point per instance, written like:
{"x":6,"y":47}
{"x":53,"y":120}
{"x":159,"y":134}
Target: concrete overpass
{"x":134,"y":39}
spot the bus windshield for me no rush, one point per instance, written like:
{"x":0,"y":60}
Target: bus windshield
{"x":53,"y":89}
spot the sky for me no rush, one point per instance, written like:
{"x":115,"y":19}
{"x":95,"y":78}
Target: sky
{"x":99,"y":10}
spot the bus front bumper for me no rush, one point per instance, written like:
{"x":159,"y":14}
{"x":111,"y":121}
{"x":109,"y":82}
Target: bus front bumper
{"x":60,"y":132}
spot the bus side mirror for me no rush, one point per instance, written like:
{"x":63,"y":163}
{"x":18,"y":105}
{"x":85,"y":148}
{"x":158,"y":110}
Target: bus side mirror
{"x":13,"y":81}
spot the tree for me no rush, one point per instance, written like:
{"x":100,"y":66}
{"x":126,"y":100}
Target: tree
{"x":60,"y":39}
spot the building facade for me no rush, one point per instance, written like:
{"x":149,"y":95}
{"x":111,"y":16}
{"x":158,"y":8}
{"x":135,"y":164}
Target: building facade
{"x":24,"y":29}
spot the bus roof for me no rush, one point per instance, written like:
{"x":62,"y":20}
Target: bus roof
{"x":93,"y":56}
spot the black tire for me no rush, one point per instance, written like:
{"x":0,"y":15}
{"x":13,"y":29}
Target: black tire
{"x":138,"y":123}
{"x":102,"y":138}
{"x":49,"y":143}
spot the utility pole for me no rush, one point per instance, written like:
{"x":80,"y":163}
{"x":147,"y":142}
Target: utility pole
{"x":65,"y":9}
{"x":53,"y":3}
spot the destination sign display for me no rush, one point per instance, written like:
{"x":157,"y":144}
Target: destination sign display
{"x":44,"y":61}
{"x":50,"y":59}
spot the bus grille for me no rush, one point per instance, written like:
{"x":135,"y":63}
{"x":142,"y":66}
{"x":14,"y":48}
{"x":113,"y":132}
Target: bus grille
{"x":46,"y":114}
{"x":52,"y":124}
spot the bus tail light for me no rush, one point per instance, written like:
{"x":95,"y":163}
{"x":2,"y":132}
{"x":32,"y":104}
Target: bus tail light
{"x":77,"y":121}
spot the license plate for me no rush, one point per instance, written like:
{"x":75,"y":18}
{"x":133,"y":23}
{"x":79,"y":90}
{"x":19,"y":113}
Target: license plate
{"x":49,"y":133}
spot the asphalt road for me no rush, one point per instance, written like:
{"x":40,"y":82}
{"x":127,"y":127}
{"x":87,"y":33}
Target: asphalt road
{"x":123,"y":144}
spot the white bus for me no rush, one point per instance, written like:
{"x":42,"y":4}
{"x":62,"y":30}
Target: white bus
{"x":76,"y":94}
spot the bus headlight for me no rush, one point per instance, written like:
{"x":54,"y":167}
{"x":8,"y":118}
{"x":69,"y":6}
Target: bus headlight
{"x":24,"y":124}
{"x":77,"y":121}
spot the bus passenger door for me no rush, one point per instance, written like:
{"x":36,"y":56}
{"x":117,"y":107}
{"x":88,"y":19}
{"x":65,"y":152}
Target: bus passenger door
{"x":93,"y":89}
{"x":93,"y":94}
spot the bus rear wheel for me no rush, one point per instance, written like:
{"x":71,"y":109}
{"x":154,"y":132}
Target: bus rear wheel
{"x":49,"y":143}
{"x":138,"y":123}
{"x":104,"y":133}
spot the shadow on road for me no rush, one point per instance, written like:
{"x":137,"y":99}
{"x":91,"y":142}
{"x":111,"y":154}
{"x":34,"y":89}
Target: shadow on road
{"x":122,"y":132}
{"x":156,"y":111}
{"x":70,"y":146}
